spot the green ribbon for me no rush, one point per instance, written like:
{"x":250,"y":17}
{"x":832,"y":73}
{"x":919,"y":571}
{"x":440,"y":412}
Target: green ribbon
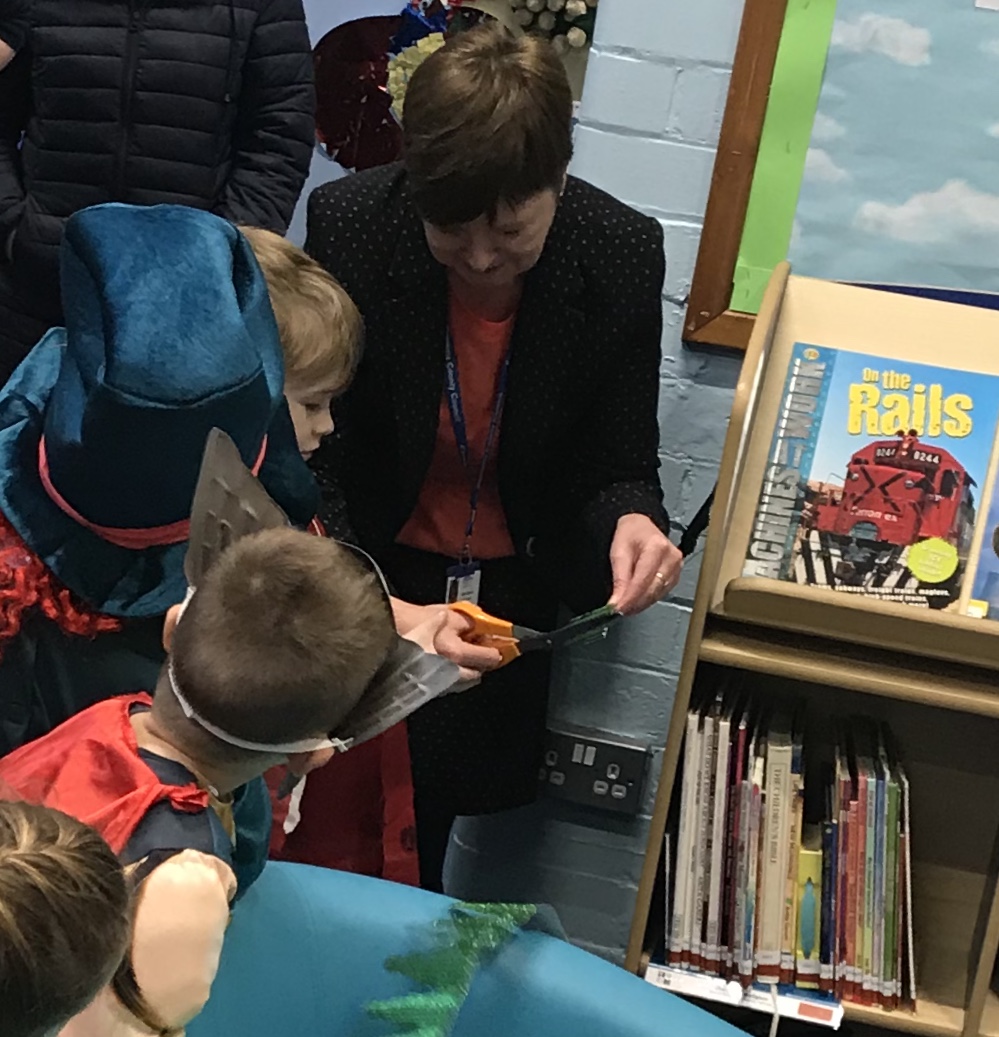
{"x":463,"y":942}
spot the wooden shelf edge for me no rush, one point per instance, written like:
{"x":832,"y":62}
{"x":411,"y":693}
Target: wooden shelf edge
{"x":856,"y":619}
{"x":989,"y":1026}
{"x":843,"y":666}
{"x":791,"y":1004}
{"x":929,"y":1018}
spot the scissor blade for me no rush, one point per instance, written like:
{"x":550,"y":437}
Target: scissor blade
{"x":590,"y":625}
{"x":531,"y":640}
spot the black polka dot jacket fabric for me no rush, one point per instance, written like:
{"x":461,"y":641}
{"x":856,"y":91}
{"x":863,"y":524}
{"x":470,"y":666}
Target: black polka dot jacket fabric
{"x":579,"y":439}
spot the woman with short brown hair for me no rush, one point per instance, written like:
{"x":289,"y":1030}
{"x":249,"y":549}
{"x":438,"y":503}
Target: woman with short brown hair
{"x":500,"y":439}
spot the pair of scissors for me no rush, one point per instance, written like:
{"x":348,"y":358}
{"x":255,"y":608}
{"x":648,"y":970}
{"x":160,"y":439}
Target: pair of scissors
{"x":512,"y":641}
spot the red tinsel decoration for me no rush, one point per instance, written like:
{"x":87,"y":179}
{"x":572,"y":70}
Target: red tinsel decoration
{"x":26,"y":584}
{"x":354,"y":121}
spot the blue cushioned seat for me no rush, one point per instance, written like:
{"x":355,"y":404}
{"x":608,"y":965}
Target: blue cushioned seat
{"x":306,"y":952}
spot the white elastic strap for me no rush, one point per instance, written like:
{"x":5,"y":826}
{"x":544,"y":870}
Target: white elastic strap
{"x":374,"y":565}
{"x":775,"y":1020}
{"x":305,"y":745}
{"x":183,"y":605}
{"x":292,"y":821}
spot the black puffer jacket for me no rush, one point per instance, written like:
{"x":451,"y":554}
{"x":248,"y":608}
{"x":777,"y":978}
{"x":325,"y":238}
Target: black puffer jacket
{"x":14,"y":22}
{"x":207,"y":103}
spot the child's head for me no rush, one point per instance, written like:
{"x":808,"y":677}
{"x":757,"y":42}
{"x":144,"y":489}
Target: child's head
{"x":320,"y":328}
{"x":169,"y":334}
{"x":277,"y":645}
{"x":64,"y":918}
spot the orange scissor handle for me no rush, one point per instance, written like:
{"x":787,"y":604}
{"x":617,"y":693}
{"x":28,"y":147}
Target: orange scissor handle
{"x":489,"y":631}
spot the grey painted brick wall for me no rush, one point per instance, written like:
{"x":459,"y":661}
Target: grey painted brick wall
{"x":650,"y":117}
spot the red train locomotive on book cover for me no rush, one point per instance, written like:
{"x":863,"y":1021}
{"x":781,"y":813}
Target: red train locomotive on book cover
{"x":895,"y":494}
{"x":872,"y":475}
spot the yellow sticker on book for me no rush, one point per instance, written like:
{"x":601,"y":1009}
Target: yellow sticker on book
{"x":932,"y":560}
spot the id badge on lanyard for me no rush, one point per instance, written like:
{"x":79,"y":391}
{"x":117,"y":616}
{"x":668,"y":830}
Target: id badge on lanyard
{"x":463,"y":583}
{"x":464,"y":580}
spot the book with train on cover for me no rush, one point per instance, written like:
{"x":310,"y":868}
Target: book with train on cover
{"x":874,"y":476}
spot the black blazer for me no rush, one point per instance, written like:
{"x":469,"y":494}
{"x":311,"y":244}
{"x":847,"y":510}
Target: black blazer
{"x":579,"y":440}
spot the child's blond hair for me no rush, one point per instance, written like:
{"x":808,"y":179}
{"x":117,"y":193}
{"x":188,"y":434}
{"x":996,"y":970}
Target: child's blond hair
{"x":65,"y":918}
{"x":320,"y":327}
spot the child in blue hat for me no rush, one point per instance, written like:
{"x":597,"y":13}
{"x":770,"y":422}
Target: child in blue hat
{"x":169,"y":333}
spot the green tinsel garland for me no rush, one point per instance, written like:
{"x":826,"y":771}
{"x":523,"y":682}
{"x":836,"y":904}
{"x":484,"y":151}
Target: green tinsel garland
{"x":464,"y":941}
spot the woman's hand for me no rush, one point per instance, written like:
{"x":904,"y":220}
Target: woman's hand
{"x":645,"y":565}
{"x":450,"y":628}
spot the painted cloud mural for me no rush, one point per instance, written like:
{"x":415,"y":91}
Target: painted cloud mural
{"x":901,"y":181}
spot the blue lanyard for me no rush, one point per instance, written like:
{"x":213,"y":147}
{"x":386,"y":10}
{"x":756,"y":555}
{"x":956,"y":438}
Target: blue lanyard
{"x":457,"y":411}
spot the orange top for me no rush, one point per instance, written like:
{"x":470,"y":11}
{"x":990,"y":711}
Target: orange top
{"x":441,"y":514}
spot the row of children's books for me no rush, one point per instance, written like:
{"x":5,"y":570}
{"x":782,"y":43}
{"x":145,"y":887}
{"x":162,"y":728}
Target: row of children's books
{"x":792,"y":860}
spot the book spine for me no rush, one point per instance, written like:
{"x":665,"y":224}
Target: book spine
{"x":754,"y":845}
{"x":878,"y":938}
{"x":910,"y":948}
{"x":842,"y":878}
{"x":808,"y":914}
{"x":867,"y":989}
{"x":684,"y":848}
{"x":703,"y":845}
{"x":889,"y":998}
{"x":774,"y":863}
{"x":791,"y":897}
{"x":667,"y":878}
{"x":742,"y":881}
{"x":853,"y":882}
{"x":901,"y":994}
{"x":692,"y":861}
{"x":859,"y":893}
{"x":713,"y":948}
{"x":733,"y":850}
{"x":827,"y":922}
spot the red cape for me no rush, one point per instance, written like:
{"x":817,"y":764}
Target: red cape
{"x":89,"y":767}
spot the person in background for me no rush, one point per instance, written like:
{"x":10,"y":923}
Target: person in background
{"x":65,"y":917}
{"x":206,"y":103}
{"x":357,"y":813}
{"x":322,"y":335}
{"x":276,"y":647}
{"x":320,"y":328}
{"x":500,"y":439}
{"x":13,"y":29}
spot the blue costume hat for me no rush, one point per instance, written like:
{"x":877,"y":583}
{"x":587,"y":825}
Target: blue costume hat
{"x":169,"y":333}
